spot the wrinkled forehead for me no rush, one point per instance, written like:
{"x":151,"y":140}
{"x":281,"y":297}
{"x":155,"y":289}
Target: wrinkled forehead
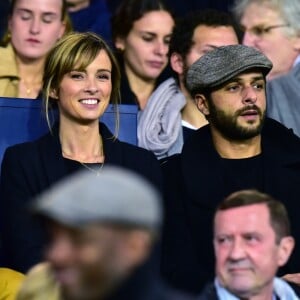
{"x":255,"y":217}
{"x":260,"y":14}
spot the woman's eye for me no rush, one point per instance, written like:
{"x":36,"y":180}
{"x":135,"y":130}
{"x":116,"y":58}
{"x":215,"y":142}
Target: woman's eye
{"x":104,"y":76}
{"x":47,"y":19}
{"x":167,"y":40}
{"x":25,"y":16}
{"x":147,"y":38}
{"x":76,"y":75}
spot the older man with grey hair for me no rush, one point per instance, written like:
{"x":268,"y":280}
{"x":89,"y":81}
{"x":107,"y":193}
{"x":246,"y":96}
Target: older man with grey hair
{"x":102,"y":232}
{"x":238,"y":149}
{"x":251,"y":240}
{"x":273,"y":27}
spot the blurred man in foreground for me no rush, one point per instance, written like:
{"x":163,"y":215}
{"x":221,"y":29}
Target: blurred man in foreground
{"x":102,"y":229}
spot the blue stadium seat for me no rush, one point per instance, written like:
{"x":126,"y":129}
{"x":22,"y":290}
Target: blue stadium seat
{"x":23,"y":120}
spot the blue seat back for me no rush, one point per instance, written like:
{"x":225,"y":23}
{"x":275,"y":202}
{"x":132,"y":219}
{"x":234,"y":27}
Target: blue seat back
{"x":22,"y":120}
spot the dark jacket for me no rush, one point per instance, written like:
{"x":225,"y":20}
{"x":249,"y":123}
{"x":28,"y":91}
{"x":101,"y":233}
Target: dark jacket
{"x":194,"y":186}
{"x":210,"y":292}
{"x":30,"y":168}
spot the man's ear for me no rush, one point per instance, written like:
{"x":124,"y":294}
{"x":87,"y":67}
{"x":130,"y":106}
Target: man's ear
{"x":286,"y":247}
{"x":176,"y":63}
{"x":120,"y":43}
{"x":201,"y":103}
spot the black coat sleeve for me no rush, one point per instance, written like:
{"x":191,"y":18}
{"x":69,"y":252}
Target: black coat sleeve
{"x":21,"y":233}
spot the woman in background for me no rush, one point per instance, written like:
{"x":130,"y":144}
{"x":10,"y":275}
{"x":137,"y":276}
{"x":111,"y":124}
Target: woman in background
{"x":141,"y":32}
{"x":34,"y":26}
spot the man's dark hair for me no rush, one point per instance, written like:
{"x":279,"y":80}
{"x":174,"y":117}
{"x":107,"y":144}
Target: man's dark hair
{"x":182,"y":37}
{"x":279,"y":219}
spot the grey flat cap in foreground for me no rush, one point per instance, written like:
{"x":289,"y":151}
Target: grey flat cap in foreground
{"x":224,"y":63}
{"x":116,"y":196}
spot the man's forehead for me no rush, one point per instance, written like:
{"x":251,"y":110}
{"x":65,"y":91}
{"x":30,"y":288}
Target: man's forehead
{"x":265,"y":13}
{"x":243,"y":214}
{"x":248,"y":75}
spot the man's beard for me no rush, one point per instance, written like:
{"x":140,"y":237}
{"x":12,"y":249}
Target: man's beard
{"x":227,"y":124}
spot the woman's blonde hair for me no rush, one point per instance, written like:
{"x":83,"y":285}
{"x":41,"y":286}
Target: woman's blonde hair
{"x":77,"y":49}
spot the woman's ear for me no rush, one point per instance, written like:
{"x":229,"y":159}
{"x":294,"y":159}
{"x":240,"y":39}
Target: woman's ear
{"x":120,"y":44}
{"x":201,"y":103}
{"x":53,"y":94}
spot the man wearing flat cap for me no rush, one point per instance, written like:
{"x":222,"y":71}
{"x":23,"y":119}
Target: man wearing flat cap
{"x":239,"y":149}
{"x":102,"y":232}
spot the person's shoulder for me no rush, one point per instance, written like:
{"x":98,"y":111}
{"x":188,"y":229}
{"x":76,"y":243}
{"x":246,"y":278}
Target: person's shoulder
{"x":199,"y":140}
{"x":27,"y":145}
{"x":170,"y":160}
{"x":7,"y":61}
{"x":164,"y":291}
{"x":26,"y":149}
{"x":286,"y":78}
{"x":6,"y":49}
{"x":136,"y":150}
{"x":39,"y":283}
{"x":276,"y":131}
{"x":295,"y":287}
{"x":10,"y":281}
{"x":173,"y":294}
{"x":20,"y":148}
{"x":208,"y":293}
{"x":199,"y":136}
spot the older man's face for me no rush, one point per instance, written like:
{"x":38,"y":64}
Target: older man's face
{"x":87,"y":263}
{"x":265,"y":30}
{"x":247,"y":255}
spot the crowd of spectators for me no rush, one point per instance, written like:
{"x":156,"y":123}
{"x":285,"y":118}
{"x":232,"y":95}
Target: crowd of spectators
{"x":205,"y":206}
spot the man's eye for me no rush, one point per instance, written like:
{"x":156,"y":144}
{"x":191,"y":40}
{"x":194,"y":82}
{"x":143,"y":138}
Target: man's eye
{"x":233,"y":88}
{"x":251,"y":238}
{"x":259,"y":31}
{"x":223,"y":240}
{"x":259,"y":86}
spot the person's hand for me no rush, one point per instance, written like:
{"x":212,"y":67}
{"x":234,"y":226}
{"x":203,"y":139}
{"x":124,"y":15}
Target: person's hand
{"x":294,"y":278}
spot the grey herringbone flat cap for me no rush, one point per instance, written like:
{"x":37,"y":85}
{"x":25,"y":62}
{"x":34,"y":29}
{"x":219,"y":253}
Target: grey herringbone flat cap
{"x":224,"y":63}
{"x":115,"y":196}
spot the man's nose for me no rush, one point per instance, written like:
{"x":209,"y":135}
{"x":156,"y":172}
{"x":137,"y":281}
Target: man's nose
{"x":249,"y":39}
{"x":60,"y":250}
{"x":249,"y":95}
{"x":237,"y":250}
